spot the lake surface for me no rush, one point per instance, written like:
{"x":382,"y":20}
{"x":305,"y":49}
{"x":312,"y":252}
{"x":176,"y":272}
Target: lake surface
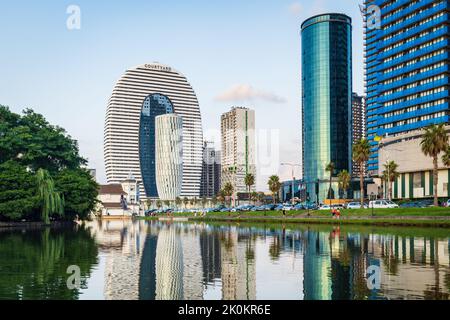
{"x":161,"y":260}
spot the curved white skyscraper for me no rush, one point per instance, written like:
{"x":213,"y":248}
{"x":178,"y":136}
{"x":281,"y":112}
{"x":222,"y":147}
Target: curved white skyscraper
{"x":169,"y":155}
{"x":141,"y":94}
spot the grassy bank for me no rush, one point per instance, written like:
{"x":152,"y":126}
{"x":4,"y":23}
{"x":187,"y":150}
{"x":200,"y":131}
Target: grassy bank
{"x":423,"y":217}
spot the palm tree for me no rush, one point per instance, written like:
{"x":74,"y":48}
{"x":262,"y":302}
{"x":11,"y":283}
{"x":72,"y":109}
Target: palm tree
{"x":249,"y":181}
{"x":254,"y":197}
{"x":330,"y":168}
{"x":228,"y":190}
{"x":446,"y":158}
{"x":204,"y":201}
{"x":221,"y":196}
{"x":261,"y":197}
{"x":50,"y":200}
{"x":158,"y":204}
{"x":361,"y":153}
{"x":390,"y":174}
{"x":344,"y":179}
{"x":167,"y":203}
{"x":178,"y":201}
{"x":185,"y":201}
{"x":274,"y":186}
{"x":214,"y":201}
{"x":434,"y":141}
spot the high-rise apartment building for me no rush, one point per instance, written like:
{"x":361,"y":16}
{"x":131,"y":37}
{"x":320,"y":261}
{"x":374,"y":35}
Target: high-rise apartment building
{"x":326,"y":99}
{"x":238,"y":147}
{"x":407,"y":68}
{"x":211,"y":173}
{"x":140,"y":95}
{"x":358,"y":128}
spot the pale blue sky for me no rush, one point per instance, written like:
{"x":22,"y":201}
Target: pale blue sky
{"x":218,"y":45}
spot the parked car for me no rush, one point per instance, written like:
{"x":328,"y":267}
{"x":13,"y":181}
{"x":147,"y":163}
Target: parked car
{"x":225,"y":210}
{"x":279,"y":207}
{"x":324,"y":207}
{"x":288,"y":207}
{"x":355,"y":205}
{"x":299,"y":206}
{"x":447,"y":204}
{"x":382,"y":204}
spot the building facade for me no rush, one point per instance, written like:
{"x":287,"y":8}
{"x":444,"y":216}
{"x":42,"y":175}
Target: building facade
{"x":169,"y":155}
{"x":132,"y":92}
{"x":211,"y":173}
{"x":358,"y":128}
{"x":238,"y":147}
{"x":416,"y":170}
{"x":407,"y":68}
{"x":326,"y":98}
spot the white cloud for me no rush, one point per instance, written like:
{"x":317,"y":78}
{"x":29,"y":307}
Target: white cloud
{"x":245,"y":92}
{"x":295,"y":8}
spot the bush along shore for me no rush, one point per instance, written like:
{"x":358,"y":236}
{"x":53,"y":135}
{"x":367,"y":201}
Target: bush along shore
{"x":424,"y":217}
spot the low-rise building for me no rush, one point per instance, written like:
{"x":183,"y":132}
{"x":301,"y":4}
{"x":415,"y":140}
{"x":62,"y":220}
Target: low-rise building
{"x":416,"y":170}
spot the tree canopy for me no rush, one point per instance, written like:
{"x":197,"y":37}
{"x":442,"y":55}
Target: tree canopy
{"x":30,"y":144}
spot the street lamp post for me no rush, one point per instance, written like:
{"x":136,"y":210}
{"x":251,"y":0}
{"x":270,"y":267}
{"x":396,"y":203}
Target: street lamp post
{"x":292,"y":165}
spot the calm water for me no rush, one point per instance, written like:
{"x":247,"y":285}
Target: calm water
{"x":160,"y":260}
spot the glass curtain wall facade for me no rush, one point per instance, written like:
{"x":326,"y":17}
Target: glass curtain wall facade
{"x":153,"y":106}
{"x":326,"y":99}
{"x":407,"y":68}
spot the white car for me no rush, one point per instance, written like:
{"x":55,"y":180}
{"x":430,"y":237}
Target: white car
{"x":355,"y":205}
{"x":382,"y":204}
{"x":448,"y":203}
{"x":288,"y":207}
{"x":325,"y":207}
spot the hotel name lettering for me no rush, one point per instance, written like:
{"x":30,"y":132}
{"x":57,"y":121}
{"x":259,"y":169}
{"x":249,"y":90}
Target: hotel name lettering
{"x":157,"y":67}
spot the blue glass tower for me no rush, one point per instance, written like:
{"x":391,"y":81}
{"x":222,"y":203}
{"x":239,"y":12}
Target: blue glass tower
{"x":326,"y":99}
{"x":407,"y":68}
{"x":154,"y":105}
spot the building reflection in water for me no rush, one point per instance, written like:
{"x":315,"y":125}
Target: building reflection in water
{"x":160,"y":260}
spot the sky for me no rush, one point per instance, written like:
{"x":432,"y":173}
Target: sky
{"x":233,"y":53}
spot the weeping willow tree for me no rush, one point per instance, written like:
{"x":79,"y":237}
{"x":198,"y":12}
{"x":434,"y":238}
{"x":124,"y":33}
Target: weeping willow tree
{"x":52,"y":202}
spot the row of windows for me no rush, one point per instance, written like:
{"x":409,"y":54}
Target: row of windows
{"x":414,"y":61}
{"x":412,"y":50}
{"x":417,"y":37}
{"x":409,"y":16}
{"x":415,"y":72}
{"x":414,"y":108}
{"x":416,"y":119}
{"x":414,"y":84}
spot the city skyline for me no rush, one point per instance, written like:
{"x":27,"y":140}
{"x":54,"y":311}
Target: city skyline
{"x":252,"y":62}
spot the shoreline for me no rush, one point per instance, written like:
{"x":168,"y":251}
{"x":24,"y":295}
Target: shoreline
{"x":35,"y":225}
{"x":406,"y":221}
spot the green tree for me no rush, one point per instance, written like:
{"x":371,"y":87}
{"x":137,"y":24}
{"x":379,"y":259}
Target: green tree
{"x":330,"y":168}
{"x":361,"y":153}
{"x":390,"y":174}
{"x":228,"y":190}
{"x":79,"y":190}
{"x":50,"y":200}
{"x":204,"y":201}
{"x":18,"y":192}
{"x":159,"y":204}
{"x":344,"y":179}
{"x":434,"y":141}
{"x":446,"y":158}
{"x":249,"y":181}
{"x":185,"y":201}
{"x":178,"y":202}
{"x":254,"y":197}
{"x":36,"y":143}
{"x":167,"y":203}
{"x":274,"y":186}
{"x":214,"y":200}
{"x":221,"y":196}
